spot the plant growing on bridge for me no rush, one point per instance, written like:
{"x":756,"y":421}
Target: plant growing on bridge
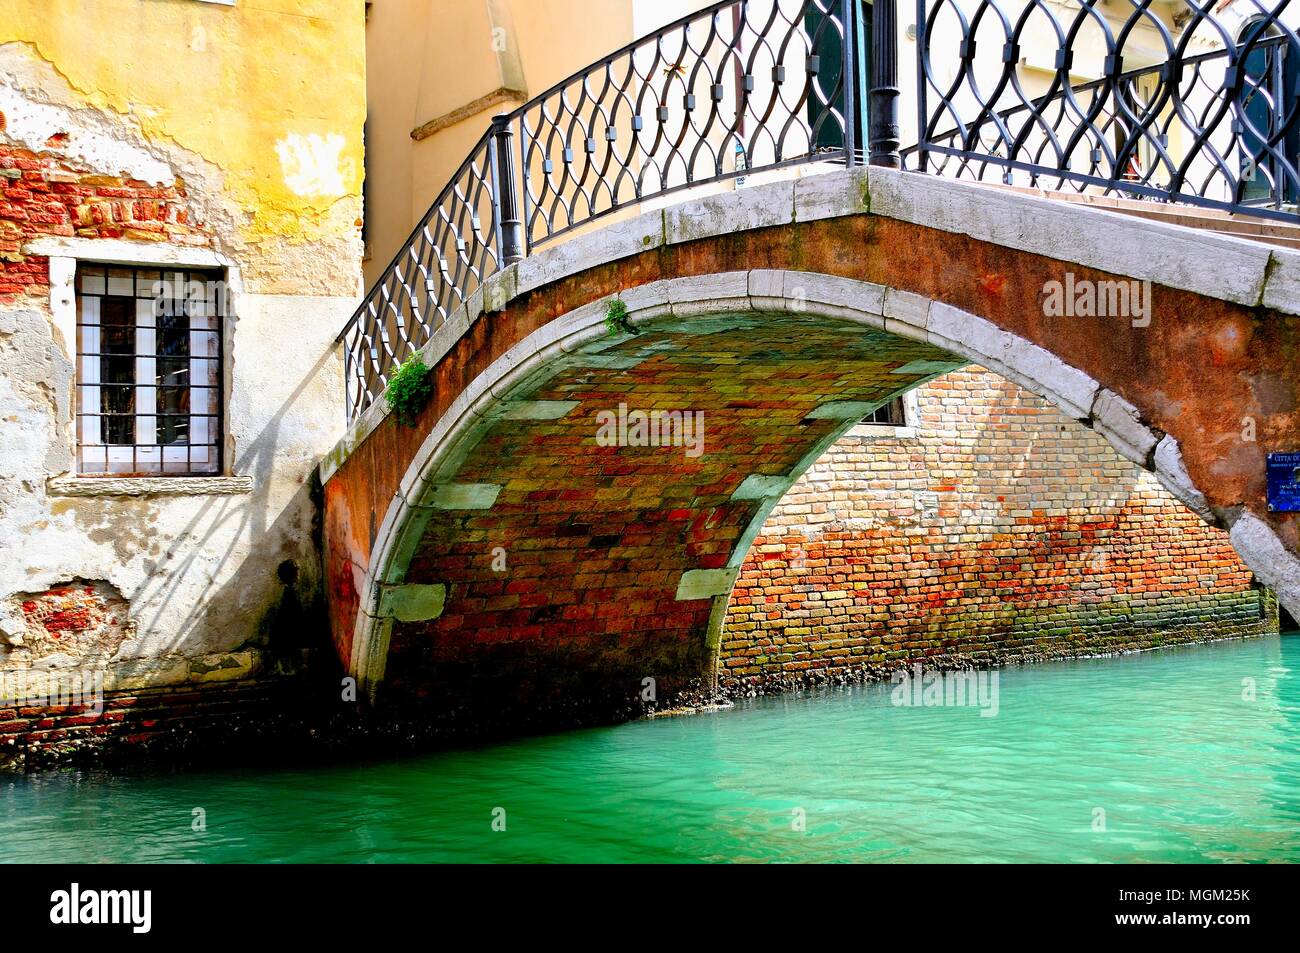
{"x":409,"y":390}
{"x":616,"y":319}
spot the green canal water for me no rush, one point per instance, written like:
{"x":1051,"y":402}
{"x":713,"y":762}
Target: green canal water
{"x":1185,"y":763}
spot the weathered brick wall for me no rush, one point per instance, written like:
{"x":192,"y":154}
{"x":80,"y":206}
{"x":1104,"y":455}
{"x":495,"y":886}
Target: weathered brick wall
{"x":43,"y":194}
{"x":140,"y":722}
{"x":1001,"y":530}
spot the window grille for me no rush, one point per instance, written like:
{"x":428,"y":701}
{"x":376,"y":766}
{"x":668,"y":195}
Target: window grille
{"x":149,"y":371}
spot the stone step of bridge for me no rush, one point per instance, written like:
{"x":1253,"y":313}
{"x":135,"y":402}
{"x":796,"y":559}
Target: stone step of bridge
{"x":1282,"y":234}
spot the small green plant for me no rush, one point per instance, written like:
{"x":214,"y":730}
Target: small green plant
{"x":409,"y":390}
{"x":616,"y":319}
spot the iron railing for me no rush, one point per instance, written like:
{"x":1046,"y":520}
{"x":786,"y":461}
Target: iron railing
{"x":738,"y":88}
{"x":1161,"y":99}
{"x":1188,"y":104}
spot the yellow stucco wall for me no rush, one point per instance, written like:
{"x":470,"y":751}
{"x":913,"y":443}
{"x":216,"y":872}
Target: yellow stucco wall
{"x":270,"y":92}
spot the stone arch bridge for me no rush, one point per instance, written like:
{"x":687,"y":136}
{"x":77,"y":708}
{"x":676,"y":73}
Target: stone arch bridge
{"x":526,"y":542}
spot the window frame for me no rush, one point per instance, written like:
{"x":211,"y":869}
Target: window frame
{"x":65,"y":255}
{"x":157,"y":346}
{"x":908,"y":429}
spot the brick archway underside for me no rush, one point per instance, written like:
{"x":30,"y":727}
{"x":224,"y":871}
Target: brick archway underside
{"x":573,"y":571}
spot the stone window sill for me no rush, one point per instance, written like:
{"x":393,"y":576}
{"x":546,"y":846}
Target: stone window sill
{"x":150,"y":486}
{"x":881,"y":432}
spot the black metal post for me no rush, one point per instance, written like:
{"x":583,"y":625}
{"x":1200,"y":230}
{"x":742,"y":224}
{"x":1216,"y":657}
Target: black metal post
{"x":883,"y":112}
{"x":347,"y":376}
{"x":506,"y":191}
{"x":849,"y":80}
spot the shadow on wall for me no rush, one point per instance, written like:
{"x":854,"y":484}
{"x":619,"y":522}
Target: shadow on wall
{"x":281,"y":619}
{"x":230,"y":585}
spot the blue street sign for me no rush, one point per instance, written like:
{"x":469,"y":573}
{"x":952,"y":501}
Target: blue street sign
{"x":1284,"y":482}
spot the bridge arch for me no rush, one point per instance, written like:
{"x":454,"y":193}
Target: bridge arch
{"x":780,"y":360}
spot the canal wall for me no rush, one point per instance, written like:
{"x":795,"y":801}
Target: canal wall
{"x":990,"y":528}
{"x":129,"y":725}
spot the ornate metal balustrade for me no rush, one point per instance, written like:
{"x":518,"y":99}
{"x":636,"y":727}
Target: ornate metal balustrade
{"x":1186,"y":100}
{"x":741,"y":87}
{"x":1192,"y":100}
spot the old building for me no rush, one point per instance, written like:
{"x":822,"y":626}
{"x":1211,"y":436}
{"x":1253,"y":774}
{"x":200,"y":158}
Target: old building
{"x":179,"y":243}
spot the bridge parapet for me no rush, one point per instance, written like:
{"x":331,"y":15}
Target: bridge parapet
{"x":912,"y":269}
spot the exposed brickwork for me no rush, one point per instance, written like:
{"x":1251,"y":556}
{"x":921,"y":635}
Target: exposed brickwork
{"x":45,"y":195}
{"x":595,"y":539}
{"x":32,"y":737}
{"x":80,"y":619}
{"x":1000,"y":531}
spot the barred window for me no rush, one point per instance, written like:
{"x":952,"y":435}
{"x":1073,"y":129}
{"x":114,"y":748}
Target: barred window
{"x":149,"y":371}
{"x":892,"y":414}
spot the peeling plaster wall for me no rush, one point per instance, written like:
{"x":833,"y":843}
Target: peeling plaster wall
{"x":160,"y":132}
{"x":257,"y":107}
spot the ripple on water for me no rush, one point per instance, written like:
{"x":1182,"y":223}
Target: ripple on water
{"x":1164,"y":745}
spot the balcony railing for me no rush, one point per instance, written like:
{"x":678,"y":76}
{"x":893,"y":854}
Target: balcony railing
{"x":1171,"y":101}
